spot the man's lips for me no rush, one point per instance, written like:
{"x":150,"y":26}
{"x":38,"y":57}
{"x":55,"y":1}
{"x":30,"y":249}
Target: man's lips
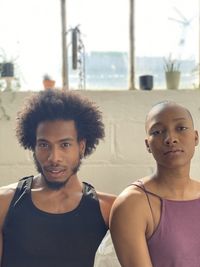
{"x":54,"y":169}
{"x":173,"y":151}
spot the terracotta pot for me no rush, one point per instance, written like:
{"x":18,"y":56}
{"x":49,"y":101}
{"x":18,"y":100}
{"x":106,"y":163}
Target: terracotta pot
{"x":49,"y":84}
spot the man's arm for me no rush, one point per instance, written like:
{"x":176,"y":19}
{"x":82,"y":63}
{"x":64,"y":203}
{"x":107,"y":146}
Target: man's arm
{"x":6,"y":195}
{"x":106,"y":202}
{"x":128,"y":225}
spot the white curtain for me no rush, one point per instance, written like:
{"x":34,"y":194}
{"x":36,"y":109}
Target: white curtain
{"x":106,"y":256}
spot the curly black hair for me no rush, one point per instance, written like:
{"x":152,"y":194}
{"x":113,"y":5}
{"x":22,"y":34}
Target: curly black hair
{"x":54,"y":104}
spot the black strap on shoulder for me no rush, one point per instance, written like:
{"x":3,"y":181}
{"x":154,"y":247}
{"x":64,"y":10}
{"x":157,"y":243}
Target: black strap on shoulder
{"x":88,"y":190}
{"x":24,"y":186}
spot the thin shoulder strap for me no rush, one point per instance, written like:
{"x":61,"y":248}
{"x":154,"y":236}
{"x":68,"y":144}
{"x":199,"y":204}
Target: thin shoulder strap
{"x":147,"y":193}
{"x":141,"y":186}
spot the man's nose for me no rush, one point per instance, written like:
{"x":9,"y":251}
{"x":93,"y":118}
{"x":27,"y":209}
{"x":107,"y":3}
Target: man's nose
{"x":54,"y":155}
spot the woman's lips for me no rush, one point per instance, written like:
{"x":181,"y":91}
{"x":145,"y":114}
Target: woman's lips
{"x":173,"y":151}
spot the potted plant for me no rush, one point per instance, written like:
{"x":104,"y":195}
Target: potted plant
{"x":48,"y":82}
{"x":172,"y":72}
{"x":8,"y":69}
{"x":7,"y":65}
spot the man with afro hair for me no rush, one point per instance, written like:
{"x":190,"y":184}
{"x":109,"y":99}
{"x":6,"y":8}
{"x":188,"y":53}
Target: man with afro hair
{"x":54,"y":219}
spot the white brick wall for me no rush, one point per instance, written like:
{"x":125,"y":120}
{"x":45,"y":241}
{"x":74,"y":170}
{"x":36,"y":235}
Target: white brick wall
{"x":118,"y":160}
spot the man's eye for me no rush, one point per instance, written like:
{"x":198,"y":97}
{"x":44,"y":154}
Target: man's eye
{"x":43,"y":145}
{"x":66,"y":144}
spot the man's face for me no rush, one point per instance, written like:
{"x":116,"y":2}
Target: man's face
{"x":171,"y":137}
{"x":57,"y":152}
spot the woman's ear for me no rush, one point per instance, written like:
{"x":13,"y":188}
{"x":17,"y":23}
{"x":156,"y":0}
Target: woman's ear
{"x":147,"y":146}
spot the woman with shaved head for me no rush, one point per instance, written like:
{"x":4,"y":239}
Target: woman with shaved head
{"x":155,"y":222}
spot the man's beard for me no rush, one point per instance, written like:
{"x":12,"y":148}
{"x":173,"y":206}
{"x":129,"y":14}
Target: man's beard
{"x":56,"y":185}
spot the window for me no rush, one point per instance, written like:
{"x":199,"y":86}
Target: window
{"x":104,"y":34}
{"x":31,"y":36}
{"x":167,"y":28}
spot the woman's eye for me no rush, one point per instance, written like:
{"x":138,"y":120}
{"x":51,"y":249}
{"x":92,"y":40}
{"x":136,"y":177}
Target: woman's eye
{"x":156,"y":132}
{"x":182,"y":128}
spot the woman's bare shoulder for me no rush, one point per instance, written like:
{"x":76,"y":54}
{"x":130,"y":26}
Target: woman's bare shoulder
{"x":131,"y":194}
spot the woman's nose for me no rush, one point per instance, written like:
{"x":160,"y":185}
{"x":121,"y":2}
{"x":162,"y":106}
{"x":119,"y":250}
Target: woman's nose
{"x":170,"y":138}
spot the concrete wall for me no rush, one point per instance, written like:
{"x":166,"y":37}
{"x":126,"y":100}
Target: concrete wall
{"x":121,"y":158}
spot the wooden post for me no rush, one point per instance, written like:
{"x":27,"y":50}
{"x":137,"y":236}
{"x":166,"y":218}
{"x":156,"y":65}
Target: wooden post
{"x":131,"y":47}
{"x":65,"y":82}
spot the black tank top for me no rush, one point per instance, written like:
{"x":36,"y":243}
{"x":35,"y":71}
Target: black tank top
{"x":34,"y":238}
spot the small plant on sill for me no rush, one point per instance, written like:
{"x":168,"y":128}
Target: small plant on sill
{"x":172,"y":72}
{"x":10,"y":74}
{"x":171,"y":65}
{"x":7,"y":64}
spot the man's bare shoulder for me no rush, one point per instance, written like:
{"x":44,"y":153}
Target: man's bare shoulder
{"x":6,"y":194}
{"x":7,"y":191}
{"x":106,"y":197}
{"x":106,"y":201}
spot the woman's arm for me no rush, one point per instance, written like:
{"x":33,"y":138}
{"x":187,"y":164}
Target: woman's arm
{"x":128,"y":226}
